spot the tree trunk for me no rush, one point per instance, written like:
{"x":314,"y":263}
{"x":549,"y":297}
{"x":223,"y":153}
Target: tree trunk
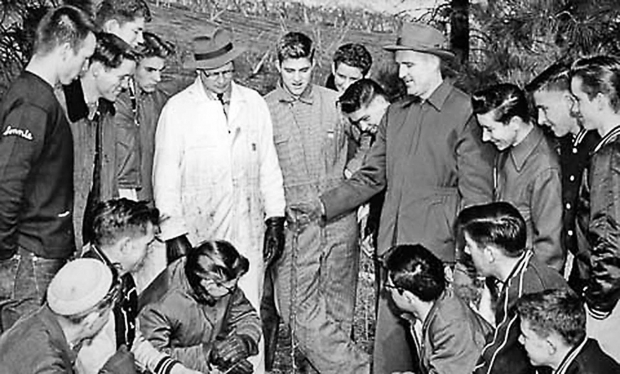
{"x":459,"y":30}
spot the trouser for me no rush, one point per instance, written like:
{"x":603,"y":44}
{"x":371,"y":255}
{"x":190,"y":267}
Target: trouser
{"x":271,"y":320}
{"x":316,"y":286}
{"x":606,"y":332}
{"x":392,"y":347}
{"x":23,"y":284}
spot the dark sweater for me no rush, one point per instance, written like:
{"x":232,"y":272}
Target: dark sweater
{"x":36,"y":171}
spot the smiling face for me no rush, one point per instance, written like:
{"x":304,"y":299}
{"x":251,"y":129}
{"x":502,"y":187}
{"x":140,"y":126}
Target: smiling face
{"x":345,"y":75}
{"x":367,"y":118}
{"x":110,"y":82}
{"x":555,"y":111}
{"x":501,"y":135}
{"x":418,"y":71}
{"x":296,"y":74}
{"x":148,"y":73}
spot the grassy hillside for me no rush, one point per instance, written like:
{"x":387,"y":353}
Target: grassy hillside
{"x":256,"y":68}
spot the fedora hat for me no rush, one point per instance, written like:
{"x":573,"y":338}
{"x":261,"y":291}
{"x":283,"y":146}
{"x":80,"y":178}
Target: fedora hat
{"x":423,"y":38}
{"x":213,"y":51}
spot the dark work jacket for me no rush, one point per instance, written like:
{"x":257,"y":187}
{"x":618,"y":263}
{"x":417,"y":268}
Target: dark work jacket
{"x":36,"y":159}
{"x":84,"y":132}
{"x":598,"y":225}
{"x":430,"y":158}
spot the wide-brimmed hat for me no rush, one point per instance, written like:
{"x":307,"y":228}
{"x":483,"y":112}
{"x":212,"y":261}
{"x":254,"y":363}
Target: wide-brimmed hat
{"x":213,"y":51}
{"x":420,"y":37}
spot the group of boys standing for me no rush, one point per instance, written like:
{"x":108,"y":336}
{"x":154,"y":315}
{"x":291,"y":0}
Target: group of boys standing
{"x":250,"y":188}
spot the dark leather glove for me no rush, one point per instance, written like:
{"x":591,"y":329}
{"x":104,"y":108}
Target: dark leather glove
{"x":241,"y":367}
{"x":300,"y":215}
{"x":177,"y":247}
{"x":121,"y":362}
{"x":232,"y":349}
{"x":274,"y":240}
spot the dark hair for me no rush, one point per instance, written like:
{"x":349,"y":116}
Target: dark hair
{"x":154,"y":46}
{"x":499,"y":224}
{"x":65,"y":24}
{"x":505,"y":100}
{"x":415,"y":269}
{"x":599,"y":74}
{"x":559,"y":311}
{"x":112,"y":50}
{"x":359,"y":95}
{"x":114,"y":219}
{"x":216,"y":257}
{"x":555,"y":77}
{"x":354,"y":55}
{"x":295,"y":45}
{"x":122,"y":11}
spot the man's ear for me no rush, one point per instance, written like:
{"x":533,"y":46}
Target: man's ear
{"x":124,"y":245}
{"x":111,"y":26}
{"x":601,"y":101}
{"x":66,"y":51}
{"x":569,"y":101}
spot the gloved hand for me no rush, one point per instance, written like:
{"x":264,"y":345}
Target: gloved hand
{"x":300,"y":215}
{"x":121,"y":362}
{"x":241,"y":367}
{"x":177,"y":247}
{"x":232,"y":349}
{"x":274,"y":240}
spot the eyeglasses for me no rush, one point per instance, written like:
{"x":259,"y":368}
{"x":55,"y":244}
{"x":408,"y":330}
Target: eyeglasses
{"x":215,"y":74}
{"x":229,"y":289}
{"x":388,"y":286}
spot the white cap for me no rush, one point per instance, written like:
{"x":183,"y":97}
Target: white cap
{"x":78,"y":286}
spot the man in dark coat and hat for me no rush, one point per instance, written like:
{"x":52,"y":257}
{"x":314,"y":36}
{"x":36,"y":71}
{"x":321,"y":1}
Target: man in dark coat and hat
{"x":429,"y":157}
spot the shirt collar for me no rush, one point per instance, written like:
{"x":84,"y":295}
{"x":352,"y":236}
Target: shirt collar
{"x":77,"y":108}
{"x":283,"y":95}
{"x":520,"y":152}
{"x":579,"y":137}
{"x":440,"y":95}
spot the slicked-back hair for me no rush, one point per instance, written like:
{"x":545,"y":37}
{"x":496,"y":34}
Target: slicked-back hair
{"x":215,"y":258}
{"x":112,"y":50}
{"x":154,"y":46}
{"x":499,"y":224}
{"x":599,"y":74}
{"x":415,"y":269}
{"x":65,"y":24}
{"x":555,"y":77}
{"x":122,"y":11}
{"x":560,"y":311}
{"x":504,"y":100}
{"x":354,"y":55}
{"x":295,"y":45}
{"x":119,"y":218}
{"x":359,"y":95}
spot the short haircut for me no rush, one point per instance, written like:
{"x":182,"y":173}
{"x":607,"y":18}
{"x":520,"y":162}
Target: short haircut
{"x":112,"y":50}
{"x":122,"y":11}
{"x":118,"y":218}
{"x":359,"y":95}
{"x":218,"y":258}
{"x":599,"y":74}
{"x":154,"y":46}
{"x":295,"y":45}
{"x":415,"y":269}
{"x":559,"y":311}
{"x":499,"y":224}
{"x":505,"y":100}
{"x":354,"y":55}
{"x":556,"y":77}
{"x":65,"y":24}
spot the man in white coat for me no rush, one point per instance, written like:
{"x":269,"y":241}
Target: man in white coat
{"x":216,"y":173}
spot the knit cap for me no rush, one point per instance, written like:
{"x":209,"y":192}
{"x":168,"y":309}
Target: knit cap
{"x":79,"y":286}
